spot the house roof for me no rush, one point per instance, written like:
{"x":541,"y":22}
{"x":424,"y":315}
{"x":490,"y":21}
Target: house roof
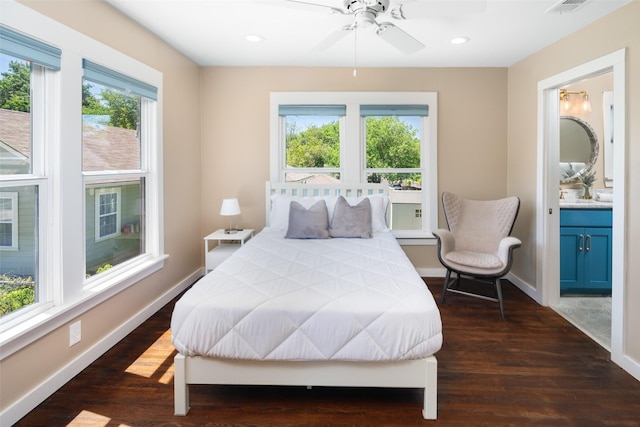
{"x":311,"y":178}
{"x":104,"y":147}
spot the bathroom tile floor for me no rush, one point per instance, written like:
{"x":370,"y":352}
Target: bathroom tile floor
{"x":592,"y":315}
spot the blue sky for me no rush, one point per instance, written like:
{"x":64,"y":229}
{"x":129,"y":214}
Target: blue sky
{"x":303,"y":122}
{"x":4,"y":62}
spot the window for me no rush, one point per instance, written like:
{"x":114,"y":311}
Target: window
{"x":80,"y":175}
{"x":27,"y":71}
{"x":115,"y":134}
{"x":368,"y":137}
{"x":8,"y":220}
{"x":312,"y":142}
{"x":107,"y":213}
{"x":392,"y":135}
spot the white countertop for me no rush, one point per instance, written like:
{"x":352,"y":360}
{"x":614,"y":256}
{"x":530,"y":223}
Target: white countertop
{"x":585,"y":204}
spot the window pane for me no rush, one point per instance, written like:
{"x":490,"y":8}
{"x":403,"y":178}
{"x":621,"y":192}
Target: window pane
{"x":312,"y":141}
{"x":405,"y":195}
{"x":18,"y":258}
{"x":393,"y":142}
{"x":15,"y":116}
{"x":114,"y":223}
{"x":110,"y":129}
{"x":8,"y":220}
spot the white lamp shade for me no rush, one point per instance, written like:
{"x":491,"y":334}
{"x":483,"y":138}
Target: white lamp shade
{"x":230,"y":207}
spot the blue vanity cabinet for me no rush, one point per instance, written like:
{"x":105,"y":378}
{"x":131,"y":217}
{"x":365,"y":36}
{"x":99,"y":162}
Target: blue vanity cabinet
{"x":585,"y":251}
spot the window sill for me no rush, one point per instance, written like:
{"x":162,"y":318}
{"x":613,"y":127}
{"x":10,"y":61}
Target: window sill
{"x":39,"y":325}
{"x":415,"y":238}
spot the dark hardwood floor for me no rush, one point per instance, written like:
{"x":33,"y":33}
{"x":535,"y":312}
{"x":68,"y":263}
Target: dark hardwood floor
{"x":533,"y":368}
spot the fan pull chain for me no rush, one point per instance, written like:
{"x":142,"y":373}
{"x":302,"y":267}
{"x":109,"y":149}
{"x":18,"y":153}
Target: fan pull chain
{"x":355,"y":51}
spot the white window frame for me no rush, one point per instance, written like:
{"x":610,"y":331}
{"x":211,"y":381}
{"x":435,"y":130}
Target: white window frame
{"x":57,"y":170}
{"x":13,"y":196}
{"x":44,"y":95}
{"x":352,"y":149}
{"x":102,"y":192}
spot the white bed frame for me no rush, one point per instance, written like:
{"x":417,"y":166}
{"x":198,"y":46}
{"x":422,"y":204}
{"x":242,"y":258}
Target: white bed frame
{"x":419,"y":373}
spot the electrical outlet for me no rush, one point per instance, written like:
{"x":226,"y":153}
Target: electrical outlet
{"x":75,"y":333}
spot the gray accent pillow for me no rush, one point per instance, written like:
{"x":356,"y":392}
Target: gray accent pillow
{"x":351,"y":221}
{"x":312,"y":223}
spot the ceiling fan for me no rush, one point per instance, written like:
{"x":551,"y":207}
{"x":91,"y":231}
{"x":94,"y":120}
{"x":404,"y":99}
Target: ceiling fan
{"x":367,"y":12}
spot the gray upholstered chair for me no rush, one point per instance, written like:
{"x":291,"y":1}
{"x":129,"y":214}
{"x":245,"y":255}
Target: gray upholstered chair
{"x":477,"y":244}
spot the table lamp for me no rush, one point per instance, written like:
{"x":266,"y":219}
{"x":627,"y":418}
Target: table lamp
{"x":230,"y":207}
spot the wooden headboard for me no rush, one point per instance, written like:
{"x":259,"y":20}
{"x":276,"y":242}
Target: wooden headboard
{"x":320,"y":190}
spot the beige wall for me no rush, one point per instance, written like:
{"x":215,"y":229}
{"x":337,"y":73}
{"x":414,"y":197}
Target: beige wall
{"x":27,"y":368}
{"x":472,"y":150}
{"x":616,"y":31}
{"x":216,"y":144}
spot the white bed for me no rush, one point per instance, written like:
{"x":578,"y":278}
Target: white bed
{"x":310,"y":312}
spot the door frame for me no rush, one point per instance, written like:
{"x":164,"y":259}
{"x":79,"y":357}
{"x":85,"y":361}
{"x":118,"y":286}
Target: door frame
{"x":547,"y":198}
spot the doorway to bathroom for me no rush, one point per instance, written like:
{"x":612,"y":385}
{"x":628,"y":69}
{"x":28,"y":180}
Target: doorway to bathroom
{"x":586,"y":195}
{"x":548,"y":201}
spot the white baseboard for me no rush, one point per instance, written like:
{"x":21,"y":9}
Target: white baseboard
{"x":524,"y":287}
{"x":431,"y":272}
{"x":630,"y":365}
{"x":31,"y":400}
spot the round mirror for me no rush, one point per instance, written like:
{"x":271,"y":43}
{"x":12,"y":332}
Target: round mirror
{"x":578,"y":148}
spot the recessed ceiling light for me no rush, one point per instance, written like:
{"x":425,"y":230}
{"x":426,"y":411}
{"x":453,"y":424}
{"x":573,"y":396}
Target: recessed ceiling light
{"x":254,"y":38}
{"x":460,"y":40}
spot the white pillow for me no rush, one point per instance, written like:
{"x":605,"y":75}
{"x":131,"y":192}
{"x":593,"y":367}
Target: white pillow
{"x":379,"y":203}
{"x":279,"y":215}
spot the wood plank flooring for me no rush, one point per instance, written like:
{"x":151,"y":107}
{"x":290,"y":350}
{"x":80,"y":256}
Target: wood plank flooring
{"x":533,"y":368}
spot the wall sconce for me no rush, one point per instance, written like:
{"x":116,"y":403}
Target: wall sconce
{"x":566,"y":100}
{"x":230,"y":207}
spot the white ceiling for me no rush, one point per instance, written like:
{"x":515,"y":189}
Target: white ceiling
{"x":212,"y":32}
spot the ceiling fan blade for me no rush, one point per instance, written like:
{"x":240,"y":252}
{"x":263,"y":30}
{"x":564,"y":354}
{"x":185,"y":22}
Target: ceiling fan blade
{"x":398,"y":38}
{"x":333,"y":38}
{"x":303,"y":5}
{"x":437,"y":8}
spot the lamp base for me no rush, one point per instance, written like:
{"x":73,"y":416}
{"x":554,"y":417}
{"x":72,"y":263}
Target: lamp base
{"x":230,"y":231}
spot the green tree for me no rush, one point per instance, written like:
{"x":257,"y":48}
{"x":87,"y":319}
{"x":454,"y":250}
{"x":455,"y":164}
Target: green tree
{"x":15,"y":87}
{"x":90,"y":104}
{"x":315,"y":147}
{"x":391,"y":143}
{"x":16,"y":300}
{"x":123,"y":109}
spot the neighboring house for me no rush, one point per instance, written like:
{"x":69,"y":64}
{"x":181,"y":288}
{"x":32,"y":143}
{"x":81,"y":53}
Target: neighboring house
{"x":311,"y":178}
{"x":112,"y":208}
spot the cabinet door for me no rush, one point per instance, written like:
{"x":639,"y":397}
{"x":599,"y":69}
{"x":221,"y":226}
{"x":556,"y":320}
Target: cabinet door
{"x":597,"y":257}
{"x":571,"y":257}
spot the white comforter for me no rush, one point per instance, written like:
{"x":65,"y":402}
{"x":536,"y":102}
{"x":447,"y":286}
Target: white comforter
{"x":328,"y":299}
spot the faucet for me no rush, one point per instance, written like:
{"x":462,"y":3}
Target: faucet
{"x":562,"y":192}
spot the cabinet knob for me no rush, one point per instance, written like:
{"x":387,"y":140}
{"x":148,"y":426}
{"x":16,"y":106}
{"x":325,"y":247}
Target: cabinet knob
{"x":581,"y":247}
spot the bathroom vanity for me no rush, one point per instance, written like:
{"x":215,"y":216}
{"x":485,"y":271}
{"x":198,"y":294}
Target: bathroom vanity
{"x":585,"y":248}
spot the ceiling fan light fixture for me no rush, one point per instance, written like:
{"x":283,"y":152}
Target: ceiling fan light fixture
{"x":254,"y":38}
{"x":460,"y":40}
{"x":365,"y":18}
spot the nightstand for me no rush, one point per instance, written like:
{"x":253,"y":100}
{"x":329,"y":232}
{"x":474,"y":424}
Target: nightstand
{"x":227,"y":244}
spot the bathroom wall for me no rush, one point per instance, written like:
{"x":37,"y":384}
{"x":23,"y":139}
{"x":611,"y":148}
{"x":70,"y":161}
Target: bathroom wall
{"x":595,"y":118}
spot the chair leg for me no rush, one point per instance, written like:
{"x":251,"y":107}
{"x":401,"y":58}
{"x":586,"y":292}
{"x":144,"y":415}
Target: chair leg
{"x":499,"y":293}
{"x":446,"y":286}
